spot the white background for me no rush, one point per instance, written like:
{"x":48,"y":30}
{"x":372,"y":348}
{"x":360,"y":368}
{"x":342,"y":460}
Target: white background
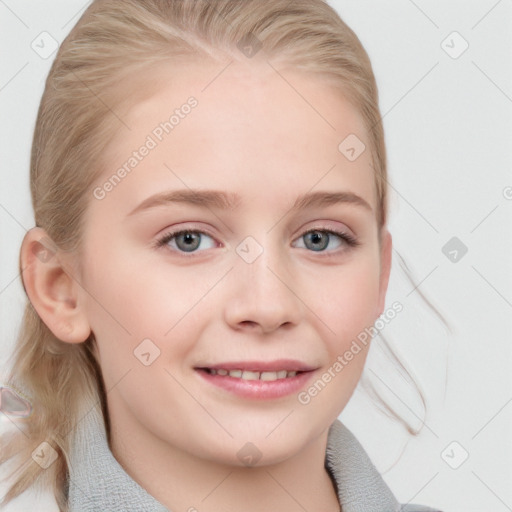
{"x":448,"y":131}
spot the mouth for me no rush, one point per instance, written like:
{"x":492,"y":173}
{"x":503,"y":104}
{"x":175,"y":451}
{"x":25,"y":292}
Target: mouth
{"x":258,"y":380}
{"x":251,"y":374}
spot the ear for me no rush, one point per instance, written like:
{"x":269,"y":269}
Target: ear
{"x":386,"y":245}
{"x":51,"y":287}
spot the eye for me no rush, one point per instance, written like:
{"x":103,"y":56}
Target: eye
{"x":185,"y":240}
{"x":318,"y":239}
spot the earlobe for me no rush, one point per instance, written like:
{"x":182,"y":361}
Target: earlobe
{"x":51,"y":288}
{"x":385,"y":268}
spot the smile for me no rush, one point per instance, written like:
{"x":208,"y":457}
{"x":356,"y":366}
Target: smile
{"x":250,"y":375}
{"x":256,"y":379}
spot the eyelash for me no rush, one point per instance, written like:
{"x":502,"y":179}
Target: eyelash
{"x":349,"y":240}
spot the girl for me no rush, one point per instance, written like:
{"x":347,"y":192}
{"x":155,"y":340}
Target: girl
{"x":209,"y":257}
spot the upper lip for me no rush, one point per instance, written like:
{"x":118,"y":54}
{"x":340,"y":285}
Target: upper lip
{"x":262,"y":366}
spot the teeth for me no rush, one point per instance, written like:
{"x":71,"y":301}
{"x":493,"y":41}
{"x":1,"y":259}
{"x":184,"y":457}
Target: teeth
{"x":247,"y":375}
{"x":251,"y":375}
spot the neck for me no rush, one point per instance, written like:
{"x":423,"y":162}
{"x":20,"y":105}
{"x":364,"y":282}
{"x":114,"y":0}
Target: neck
{"x":182,"y":481}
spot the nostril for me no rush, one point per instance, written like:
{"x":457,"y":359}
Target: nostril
{"x":248,"y":323}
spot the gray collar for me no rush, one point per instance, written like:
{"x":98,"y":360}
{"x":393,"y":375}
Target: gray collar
{"x":97,"y":482}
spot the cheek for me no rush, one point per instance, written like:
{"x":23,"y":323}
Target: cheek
{"x":128,"y":303}
{"x":123,"y":297}
{"x":347,"y":308}
{"x":348,"y":301}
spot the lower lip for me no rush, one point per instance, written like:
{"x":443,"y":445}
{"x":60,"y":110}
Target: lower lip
{"x":258,"y":389}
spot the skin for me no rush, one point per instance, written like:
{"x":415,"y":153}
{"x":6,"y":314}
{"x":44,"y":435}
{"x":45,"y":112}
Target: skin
{"x":251,"y":134}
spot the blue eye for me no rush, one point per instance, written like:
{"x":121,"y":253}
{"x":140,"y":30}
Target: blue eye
{"x":184,"y":240}
{"x":318,"y":239}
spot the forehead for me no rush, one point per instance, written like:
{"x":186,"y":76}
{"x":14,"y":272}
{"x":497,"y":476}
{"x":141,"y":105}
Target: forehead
{"x":252,"y":124}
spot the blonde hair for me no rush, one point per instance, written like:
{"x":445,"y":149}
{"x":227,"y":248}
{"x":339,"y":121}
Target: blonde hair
{"x":110,"y":45}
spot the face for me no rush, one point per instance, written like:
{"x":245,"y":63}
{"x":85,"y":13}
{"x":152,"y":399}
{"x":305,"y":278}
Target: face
{"x":213,"y":255}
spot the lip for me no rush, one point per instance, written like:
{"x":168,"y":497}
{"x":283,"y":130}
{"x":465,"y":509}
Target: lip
{"x":258,"y":389}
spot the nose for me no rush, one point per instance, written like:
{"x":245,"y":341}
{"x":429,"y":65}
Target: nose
{"x":262,"y":296}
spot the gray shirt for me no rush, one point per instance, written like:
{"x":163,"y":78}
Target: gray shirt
{"x":98,"y":483}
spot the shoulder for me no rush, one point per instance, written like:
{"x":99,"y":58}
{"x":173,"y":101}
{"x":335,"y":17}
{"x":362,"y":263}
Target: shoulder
{"x":356,"y":477}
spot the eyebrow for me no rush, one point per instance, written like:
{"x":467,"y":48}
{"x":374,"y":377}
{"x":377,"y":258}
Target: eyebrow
{"x":223,"y":200}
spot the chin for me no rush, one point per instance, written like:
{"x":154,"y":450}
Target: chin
{"x":258,"y":450}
